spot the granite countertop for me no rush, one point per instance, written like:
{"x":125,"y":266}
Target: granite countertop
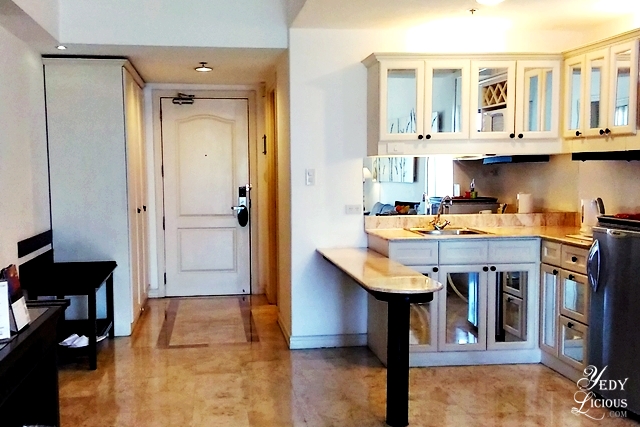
{"x":377,"y":273}
{"x":553,"y":233}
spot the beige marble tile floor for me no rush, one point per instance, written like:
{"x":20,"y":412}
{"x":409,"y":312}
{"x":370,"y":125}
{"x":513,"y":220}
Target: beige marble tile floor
{"x":235,"y":370}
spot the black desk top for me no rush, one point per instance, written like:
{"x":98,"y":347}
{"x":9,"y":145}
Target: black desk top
{"x":69,"y":278}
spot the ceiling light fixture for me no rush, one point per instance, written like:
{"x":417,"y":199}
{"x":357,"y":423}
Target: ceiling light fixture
{"x":489,"y":2}
{"x":61,"y":47}
{"x":203,"y":68}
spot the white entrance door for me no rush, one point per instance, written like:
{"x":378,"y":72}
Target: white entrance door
{"x":205,"y":160}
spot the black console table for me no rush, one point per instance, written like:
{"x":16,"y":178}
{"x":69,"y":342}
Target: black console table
{"x":29,"y":372}
{"x":62,"y":279}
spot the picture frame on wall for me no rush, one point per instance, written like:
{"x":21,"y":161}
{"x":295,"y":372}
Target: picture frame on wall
{"x":394,"y":169}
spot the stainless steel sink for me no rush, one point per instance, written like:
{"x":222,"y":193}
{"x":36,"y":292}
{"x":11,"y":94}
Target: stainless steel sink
{"x":445,"y":232}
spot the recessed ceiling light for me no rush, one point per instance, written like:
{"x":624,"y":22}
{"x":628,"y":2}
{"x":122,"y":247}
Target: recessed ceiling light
{"x":489,"y":2}
{"x":203,"y":68}
{"x":61,"y":47}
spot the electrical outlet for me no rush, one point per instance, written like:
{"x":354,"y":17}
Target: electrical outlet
{"x":310,"y":177}
{"x":353,"y":209}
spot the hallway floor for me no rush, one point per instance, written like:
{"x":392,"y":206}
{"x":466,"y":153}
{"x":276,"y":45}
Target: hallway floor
{"x":223,"y":362}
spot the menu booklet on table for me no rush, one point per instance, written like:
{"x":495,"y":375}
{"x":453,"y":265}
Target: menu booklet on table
{"x":18,"y":313}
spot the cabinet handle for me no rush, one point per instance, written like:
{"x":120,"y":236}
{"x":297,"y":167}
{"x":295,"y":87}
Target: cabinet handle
{"x":512,"y":135}
{"x":574,"y":259}
{"x":607,"y":131}
{"x":601,"y":131}
{"x":578,"y":133}
{"x":485,"y":268}
{"x":570,"y":325}
{"x":144,"y":208}
{"x":571,"y":277}
{"x":139,"y":210}
{"x":435,"y":269}
{"x":520,"y":136}
{"x":509,"y":299}
{"x":555,"y":272}
{"x":493,"y":268}
{"x":420,"y":136}
{"x":428,"y":136}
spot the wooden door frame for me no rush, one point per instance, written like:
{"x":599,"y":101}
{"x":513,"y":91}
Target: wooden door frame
{"x":248,"y":93}
{"x":271,"y":146}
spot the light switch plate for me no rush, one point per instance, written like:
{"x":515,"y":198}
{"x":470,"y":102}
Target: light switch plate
{"x":353,"y":209}
{"x":310,"y":177}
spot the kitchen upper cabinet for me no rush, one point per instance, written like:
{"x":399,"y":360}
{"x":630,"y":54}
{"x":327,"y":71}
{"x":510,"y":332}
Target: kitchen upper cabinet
{"x":421,"y":104}
{"x":601,"y":97}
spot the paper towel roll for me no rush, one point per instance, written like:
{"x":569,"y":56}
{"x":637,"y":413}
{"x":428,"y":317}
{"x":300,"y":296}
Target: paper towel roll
{"x":525,"y":203}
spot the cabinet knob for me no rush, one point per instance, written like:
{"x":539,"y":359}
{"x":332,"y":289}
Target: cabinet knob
{"x":435,"y":269}
{"x":555,"y":272}
{"x":509,"y":299}
{"x":420,"y":136}
{"x":578,"y":133}
{"x":485,"y":268}
{"x":512,"y":135}
{"x":601,"y":131}
{"x":520,"y":136}
{"x":571,"y":277}
{"x":144,"y":208}
{"x":574,"y":259}
{"x":139,"y":210}
{"x":493,"y":268}
{"x":569,"y":325}
{"x":428,"y":136}
{"x":607,"y":131}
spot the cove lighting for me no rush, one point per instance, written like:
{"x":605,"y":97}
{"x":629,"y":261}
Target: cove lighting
{"x":203,"y":68}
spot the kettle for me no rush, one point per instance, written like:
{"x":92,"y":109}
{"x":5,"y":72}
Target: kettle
{"x":590,"y":209}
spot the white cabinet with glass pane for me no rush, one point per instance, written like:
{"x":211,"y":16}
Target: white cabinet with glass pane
{"x":564,"y":310}
{"x":601,"y":97}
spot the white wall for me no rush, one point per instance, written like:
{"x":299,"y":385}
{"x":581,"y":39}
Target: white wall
{"x":239,"y":23}
{"x":328,"y":133}
{"x":24,"y":186}
{"x":44,"y":12}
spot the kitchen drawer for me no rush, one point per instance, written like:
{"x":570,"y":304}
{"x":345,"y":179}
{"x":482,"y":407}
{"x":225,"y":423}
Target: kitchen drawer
{"x":574,"y":259}
{"x":572,"y":343}
{"x":551,"y":253}
{"x":464,"y":252}
{"x":513,"y":251}
{"x":414,"y":252}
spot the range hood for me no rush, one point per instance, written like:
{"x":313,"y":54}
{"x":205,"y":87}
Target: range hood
{"x":493,"y":160}
{"x":608,"y":155}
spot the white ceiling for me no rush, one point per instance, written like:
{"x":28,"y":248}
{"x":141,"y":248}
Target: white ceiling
{"x":542,"y":14}
{"x":245,"y":66}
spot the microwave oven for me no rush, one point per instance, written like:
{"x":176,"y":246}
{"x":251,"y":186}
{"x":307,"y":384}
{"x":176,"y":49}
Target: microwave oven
{"x":493,"y":120}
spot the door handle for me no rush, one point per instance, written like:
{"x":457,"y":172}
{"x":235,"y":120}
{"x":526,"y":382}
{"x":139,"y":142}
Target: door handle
{"x":238,"y":208}
{"x":242,"y":213}
{"x":593,"y":265}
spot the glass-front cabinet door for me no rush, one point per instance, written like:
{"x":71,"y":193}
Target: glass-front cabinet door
{"x":446,"y":99}
{"x":401,"y":100}
{"x":511,"y":304}
{"x":574,"y":83}
{"x":596,"y":84}
{"x":423,"y":329}
{"x":493,"y":99}
{"x":538,"y":101}
{"x":574,"y":296}
{"x":549,"y":283}
{"x":573,"y":343}
{"x":622,"y":117}
{"x":462,"y":308}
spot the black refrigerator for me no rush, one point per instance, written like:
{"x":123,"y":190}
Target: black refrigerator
{"x":614,"y":318}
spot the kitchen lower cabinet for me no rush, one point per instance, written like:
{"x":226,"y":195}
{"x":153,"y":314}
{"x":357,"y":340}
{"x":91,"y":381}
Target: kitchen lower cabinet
{"x":564,"y":310}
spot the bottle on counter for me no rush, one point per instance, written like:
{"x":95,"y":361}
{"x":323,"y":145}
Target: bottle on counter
{"x":472,"y":189}
{"x":422,"y":207}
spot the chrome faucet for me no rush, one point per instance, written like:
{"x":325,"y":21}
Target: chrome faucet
{"x":446,"y":200}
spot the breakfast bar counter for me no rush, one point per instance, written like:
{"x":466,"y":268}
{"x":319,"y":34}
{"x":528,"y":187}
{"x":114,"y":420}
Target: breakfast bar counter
{"x":399,"y":286}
